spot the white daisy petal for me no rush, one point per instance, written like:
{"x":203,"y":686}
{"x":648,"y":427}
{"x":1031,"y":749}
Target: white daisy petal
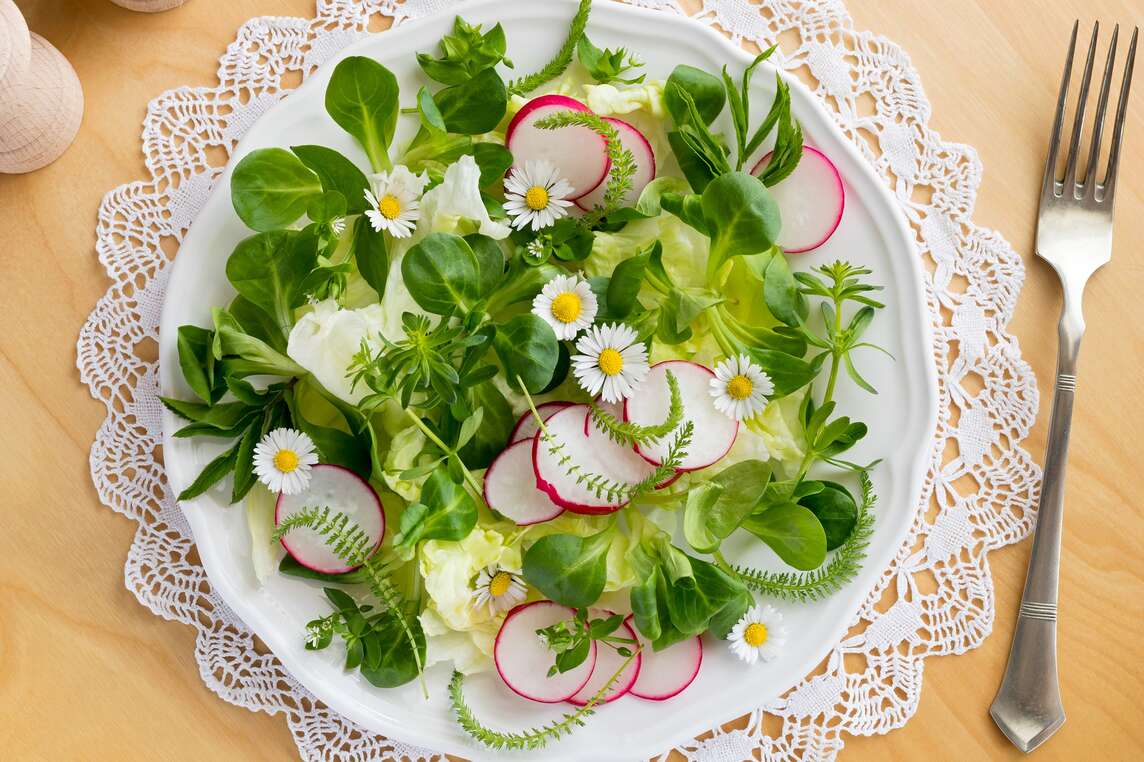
{"x":535,"y":195}
{"x":282,"y":460}
{"x":497,"y":589}
{"x":740,"y":387}
{"x":610,"y":362}
{"x":394,"y":201}
{"x":759,"y":634}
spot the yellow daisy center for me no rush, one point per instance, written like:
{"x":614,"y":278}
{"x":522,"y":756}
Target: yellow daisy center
{"x":566,"y":307}
{"x":740,"y":387}
{"x":755,"y":634}
{"x":536,"y":198}
{"x":286,"y":461}
{"x":498,"y":585}
{"x":389,"y":206}
{"x":610,"y":361}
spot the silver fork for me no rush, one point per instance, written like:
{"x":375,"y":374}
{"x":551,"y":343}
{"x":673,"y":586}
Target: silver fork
{"x":1074,"y":235}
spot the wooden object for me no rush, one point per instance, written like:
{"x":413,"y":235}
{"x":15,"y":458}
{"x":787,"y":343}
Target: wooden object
{"x":149,"y":6}
{"x":86,"y":673}
{"x":41,"y":101}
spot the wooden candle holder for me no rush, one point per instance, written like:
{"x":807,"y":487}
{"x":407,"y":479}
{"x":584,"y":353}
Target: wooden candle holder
{"x":41,"y":101}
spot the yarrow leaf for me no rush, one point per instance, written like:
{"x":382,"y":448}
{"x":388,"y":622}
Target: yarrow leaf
{"x":534,"y":738}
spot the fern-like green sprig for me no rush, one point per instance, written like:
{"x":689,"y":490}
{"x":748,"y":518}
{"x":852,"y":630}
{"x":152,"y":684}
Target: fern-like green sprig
{"x":559,"y":62}
{"x":533,"y":738}
{"x":601,"y":486}
{"x":353,"y":545}
{"x":623,"y":162}
{"x":828,"y":579}
{"x":628,"y":433}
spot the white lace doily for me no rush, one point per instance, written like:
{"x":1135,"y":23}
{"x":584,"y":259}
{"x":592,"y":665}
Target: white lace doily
{"x":936,"y":597}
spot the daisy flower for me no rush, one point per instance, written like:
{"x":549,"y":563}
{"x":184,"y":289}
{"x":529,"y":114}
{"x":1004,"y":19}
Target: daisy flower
{"x":338,"y":226}
{"x":740,"y":387}
{"x":394,"y":201}
{"x":567,"y":304}
{"x":536,"y":195}
{"x":611,"y":363}
{"x":760,"y":634}
{"x":282,"y":461}
{"x":497,"y":589}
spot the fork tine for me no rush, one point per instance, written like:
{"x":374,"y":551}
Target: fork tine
{"x":1090,"y":173}
{"x":1078,"y":122}
{"x":1049,"y":184}
{"x":1118,"y":126}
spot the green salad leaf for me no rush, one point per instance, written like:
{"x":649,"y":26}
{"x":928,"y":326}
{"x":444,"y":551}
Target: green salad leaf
{"x":370,"y":254}
{"x":792,"y":531}
{"x":271,"y":188}
{"x":362,"y":98}
{"x":269,"y":268}
{"x":465,"y":53}
{"x":607,"y":65}
{"x":717,"y":507}
{"x":475,"y":106}
{"x":741,"y":216}
{"x":336,"y":173}
{"x":527,"y":347}
{"x":441,"y":273}
{"x":569,"y":569}
{"x":445,"y":512}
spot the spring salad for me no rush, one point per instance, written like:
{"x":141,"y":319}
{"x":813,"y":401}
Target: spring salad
{"x":507,"y":390}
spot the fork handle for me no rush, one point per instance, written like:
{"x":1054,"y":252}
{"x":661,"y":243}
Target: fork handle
{"x":1028,"y":706}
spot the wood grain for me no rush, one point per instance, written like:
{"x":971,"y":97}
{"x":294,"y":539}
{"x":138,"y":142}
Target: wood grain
{"x":86,"y":673}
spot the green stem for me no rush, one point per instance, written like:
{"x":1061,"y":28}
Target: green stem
{"x":722,"y":562}
{"x":835,"y":353}
{"x":469,"y":478}
{"x":727,"y":343}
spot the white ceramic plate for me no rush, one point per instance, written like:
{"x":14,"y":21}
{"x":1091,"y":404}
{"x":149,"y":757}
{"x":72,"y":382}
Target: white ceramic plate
{"x":903,"y":414}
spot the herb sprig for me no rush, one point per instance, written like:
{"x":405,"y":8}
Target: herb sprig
{"x":352,"y":544}
{"x":835,"y":574}
{"x":623,"y":162}
{"x":571,"y":639}
{"x":533,"y":738}
{"x":629,"y":433}
{"x":561,"y":60}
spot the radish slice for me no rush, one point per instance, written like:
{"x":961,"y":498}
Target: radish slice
{"x":510,"y":487}
{"x":526,"y":427}
{"x":343,"y":491}
{"x":598,"y":455}
{"x":714,"y":432}
{"x":811,"y":201}
{"x":633,"y":140}
{"x":523,"y":661}
{"x":608,"y":660}
{"x":579,"y":155}
{"x":665,"y":674}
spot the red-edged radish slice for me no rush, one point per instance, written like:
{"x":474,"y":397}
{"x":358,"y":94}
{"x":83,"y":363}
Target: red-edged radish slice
{"x":714,"y":432}
{"x":579,"y":155}
{"x":526,"y":426}
{"x":343,"y":491}
{"x":599,"y":455}
{"x":633,"y":140}
{"x":510,"y":487}
{"x":811,"y":201}
{"x":665,"y":674}
{"x":522,"y":660}
{"x":608,"y":660}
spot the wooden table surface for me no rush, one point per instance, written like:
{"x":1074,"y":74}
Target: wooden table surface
{"x":87,"y":673}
